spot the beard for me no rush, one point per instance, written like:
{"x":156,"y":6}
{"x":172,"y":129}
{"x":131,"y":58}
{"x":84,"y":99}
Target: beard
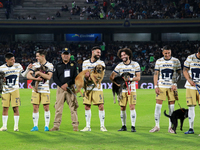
{"x":125,"y":60}
{"x":96,"y":57}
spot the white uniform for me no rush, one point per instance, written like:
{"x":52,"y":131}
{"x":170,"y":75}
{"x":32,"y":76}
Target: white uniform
{"x":87,"y":64}
{"x":12,"y":77}
{"x":132,"y":68}
{"x":43,"y":87}
{"x":193,"y":64}
{"x":168,"y":71}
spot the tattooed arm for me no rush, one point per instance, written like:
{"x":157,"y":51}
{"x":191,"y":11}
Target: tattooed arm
{"x":187,"y":76}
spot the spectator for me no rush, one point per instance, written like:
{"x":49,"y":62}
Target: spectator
{"x":58,"y":14}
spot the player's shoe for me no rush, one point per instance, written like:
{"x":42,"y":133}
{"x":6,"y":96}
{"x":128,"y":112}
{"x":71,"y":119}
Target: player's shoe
{"x":54,"y":129}
{"x":123,"y":128}
{"x":35,"y":128}
{"x":171,"y":130}
{"x":16,"y":129}
{"x":133,"y":129}
{"x":86,"y":129}
{"x":190,"y":131}
{"x":3,"y":129}
{"x":46,"y":128}
{"x":103,"y":129}
{"x":155,"y":129}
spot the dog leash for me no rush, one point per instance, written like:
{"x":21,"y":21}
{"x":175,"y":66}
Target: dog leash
{"x":176,"y":94}
{"x":71,"y":91}
{"x":129,"y":91}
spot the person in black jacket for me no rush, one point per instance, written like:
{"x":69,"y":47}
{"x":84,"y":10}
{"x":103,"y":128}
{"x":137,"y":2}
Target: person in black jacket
{"x":64,"y":75}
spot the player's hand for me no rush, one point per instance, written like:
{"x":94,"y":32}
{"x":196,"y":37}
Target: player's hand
{"x":30,"y":66}
{"x":87,"y":75}
{"x":174,"y":88}
{"x":38,"y":79}
{"x":191,"y":82}
{"x":117,"y":84}
{"x":37,"y":73}
{"x":157,"y":91}
{"x":4,"y":80}
{"x":64,"y":86}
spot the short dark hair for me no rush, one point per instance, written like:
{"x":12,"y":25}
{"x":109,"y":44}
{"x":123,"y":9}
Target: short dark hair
{"x":96,"y":47}
{"x":42,"y":52}
{"x":199,"y":49}
{"x":127,"y":51}
{"x":9,"y":55}
{"x":166,"y":47}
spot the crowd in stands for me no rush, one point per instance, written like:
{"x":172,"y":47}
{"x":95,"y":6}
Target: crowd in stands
{"x":145,"y":53}
{"x":126,"y":9}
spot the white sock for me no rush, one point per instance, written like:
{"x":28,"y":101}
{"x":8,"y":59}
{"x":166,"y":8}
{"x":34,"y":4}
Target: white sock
{"x":102,"y":117}
{"x":88,"y":117}
{"x":157,"y":114}
{"x":191,"y":116}
{"x":5,"y":119}
{"x":16,"y":119}
{"x":171,"y":109}
{"x":123,"y":117}
{"x":35,"y":118}
{"x":133,"y":117}
{"x":47,"y":118}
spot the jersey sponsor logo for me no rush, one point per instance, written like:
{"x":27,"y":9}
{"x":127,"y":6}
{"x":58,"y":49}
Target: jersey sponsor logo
{"x":10,"y":72}
{"x":196,"y":64}
{"x":126,"y":70}
{"x":168,"y":65}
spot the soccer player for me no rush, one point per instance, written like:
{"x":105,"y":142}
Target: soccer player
{"x":10,"y":94}
{"x":43,"y":93}
{"x":168,"y":69}
{"x":96,"y":95}
{"x":129,"y":93}
{"x":191,"y":71}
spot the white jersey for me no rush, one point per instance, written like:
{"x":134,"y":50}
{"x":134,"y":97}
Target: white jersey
{"x":87,"y":64}
{"x":168,"y":71}
{"x":193,"y":64}
{"x":12,"y":77}
{"x":133,"y":67}
{"x":43,"y":87}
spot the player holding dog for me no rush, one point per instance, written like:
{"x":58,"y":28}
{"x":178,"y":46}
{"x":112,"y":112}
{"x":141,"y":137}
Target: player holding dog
{"x":96,"y":95}
{"x":10,"y":94}
{"x":169,"y":69}
{"x":128,"y":94}
{"x":191,"y":71}
{"x":43,"y":93}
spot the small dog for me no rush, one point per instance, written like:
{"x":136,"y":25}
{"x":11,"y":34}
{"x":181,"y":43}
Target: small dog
{"x":177,"y":114}
{"x":2,"y":76}
{"x":96,"y":75}
{"x":118,"y":89}
{"x":34,"y":83}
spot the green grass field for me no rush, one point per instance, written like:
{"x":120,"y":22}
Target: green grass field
{"x":66,"y":138}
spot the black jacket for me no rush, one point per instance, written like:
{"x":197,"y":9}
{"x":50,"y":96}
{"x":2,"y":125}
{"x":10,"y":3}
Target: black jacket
{"x":58,"y":73}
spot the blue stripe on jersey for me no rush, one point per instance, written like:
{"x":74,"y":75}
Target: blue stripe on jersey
{"x":157,"y":70}
{"x":186,"y":67}
{"x":116,"y":72}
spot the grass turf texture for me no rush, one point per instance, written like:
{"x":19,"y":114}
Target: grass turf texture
{"x":66,"y":138}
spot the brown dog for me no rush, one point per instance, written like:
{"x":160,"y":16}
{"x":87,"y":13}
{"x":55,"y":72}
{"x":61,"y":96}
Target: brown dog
{"x":34,"y":83}
{"x":96,"y":75}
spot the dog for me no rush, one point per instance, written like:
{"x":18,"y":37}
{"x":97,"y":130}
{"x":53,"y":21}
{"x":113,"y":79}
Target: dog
{"x":2,"y":76}
{"x":34,"y":83}
{"x":177,"y":114}
{"x":96,"y":74}
{"x":118,"y":89}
